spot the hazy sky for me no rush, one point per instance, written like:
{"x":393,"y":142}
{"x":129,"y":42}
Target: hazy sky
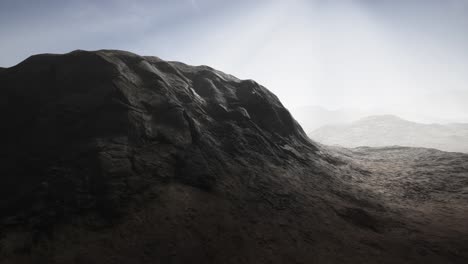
{"x":403,"y":57}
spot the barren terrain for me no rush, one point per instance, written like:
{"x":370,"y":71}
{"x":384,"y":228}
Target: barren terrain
{"x":111,"y":157}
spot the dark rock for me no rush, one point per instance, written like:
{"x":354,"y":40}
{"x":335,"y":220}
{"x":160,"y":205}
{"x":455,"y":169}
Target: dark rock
{"x":111,"y":157}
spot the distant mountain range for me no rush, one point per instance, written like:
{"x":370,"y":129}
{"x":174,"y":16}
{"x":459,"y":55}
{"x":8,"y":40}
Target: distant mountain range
{"x":389,"y":130}
{"x":313,"y":117}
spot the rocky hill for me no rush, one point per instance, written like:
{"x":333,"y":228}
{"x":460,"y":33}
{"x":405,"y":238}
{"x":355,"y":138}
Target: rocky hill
{"x":388,"y":130}
{"x":111,"y":157}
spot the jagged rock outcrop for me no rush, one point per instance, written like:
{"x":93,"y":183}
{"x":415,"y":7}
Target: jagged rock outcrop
{"x":111,"y":157}
{"x":121,"y":119}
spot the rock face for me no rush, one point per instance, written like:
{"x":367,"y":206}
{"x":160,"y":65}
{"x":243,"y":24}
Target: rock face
{"x":111,"y":157}
{"x":388,"y":130}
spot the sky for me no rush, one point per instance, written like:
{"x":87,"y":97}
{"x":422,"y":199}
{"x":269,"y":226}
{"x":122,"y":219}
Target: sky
{"x":403,"y":57}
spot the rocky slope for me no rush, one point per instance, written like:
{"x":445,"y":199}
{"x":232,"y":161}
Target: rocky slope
{"x":388,"y":130}
{"x":111,"y":157}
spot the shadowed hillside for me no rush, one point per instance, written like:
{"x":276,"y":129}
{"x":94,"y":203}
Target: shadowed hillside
{"x":111,"y":157}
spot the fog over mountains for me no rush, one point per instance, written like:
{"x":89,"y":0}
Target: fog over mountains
{"x":312,"y":117}
{"x":390,"y":130}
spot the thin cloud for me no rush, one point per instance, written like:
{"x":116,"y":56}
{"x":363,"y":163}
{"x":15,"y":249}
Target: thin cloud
{"x":406,"y":57}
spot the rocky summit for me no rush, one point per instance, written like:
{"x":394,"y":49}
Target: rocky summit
{"x":111,"y":157}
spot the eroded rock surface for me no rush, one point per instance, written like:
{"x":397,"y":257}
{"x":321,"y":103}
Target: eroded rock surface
{"x":111,"y":157}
